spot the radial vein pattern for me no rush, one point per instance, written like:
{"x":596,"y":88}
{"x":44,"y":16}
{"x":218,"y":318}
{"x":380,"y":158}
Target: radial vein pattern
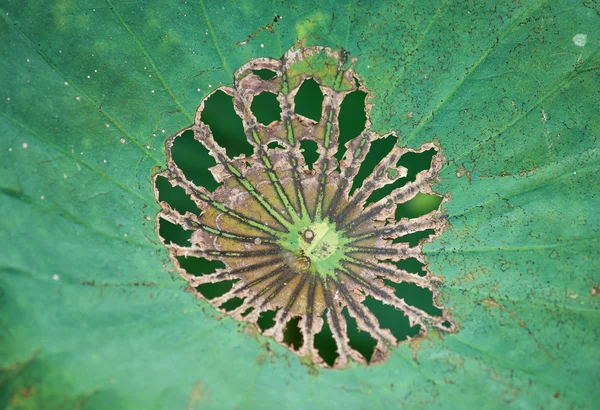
{"x":298,"y":242}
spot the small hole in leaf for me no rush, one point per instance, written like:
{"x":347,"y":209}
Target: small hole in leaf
{"x":391,"y":318}
{"x":247,"y":311}
{"x":274,"y":144}
{"x":414,"y":295}
{"x":309,"y":100}
{"x":199,"y":266}
{"x":175,"y":196}
{"x":325,"y":343}
{"x":410,"y":265}
{"x":292,"y":335}
{"x":414,"y":238}
{"x":414,"y":162}
{"x":266,"y":319}
{"x":226,"y":126}
{"x":352,"y":119}
{"x":232,"y":304}
{"x":265,"y":108}
{"x":309,"y":152}
{"x":173,"y":233}
{"x":265,"y":74}
{"x":214,"y":290}
{"x":447,"y":324}
{"x":420,"y":205}
{"x":194,"y":160}
{"x":378,"y":150}
{"x":359,"y":340}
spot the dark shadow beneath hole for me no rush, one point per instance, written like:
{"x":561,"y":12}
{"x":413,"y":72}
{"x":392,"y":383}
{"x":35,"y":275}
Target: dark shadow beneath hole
{"x":410,"y":265}
{"x":352,"y":119}
{"x":309,"y":152}
{"x":266,"y":320}
{"x":414,"y":238}
{"x":265,"y":108}
{"x":309,"y":100}
{"x":292,"y":335}
{"x":214,"y":290}
{"x":226,"y":126}
{"x":173,"y":233}
{"x":359,"y":340}
{"x":414,"y":162}
{"x":325,"y":343}
{"x":378,"y":150}
{"x":194,"y":160}
{"x":391,"y":318}
{"x":175,"y":196}
{"x":265,"y":74}
{"x":420,"y":205}
{"x":416,"y":296}
{"x":232,"y":304}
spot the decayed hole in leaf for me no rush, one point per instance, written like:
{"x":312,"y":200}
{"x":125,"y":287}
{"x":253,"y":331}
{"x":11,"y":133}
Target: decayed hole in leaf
{"x":299,"y":246}
{"x":266,"y":320}
{"x":175,"y":196}
{"x":352,"y":119}
{"x":265,"y":108}
{"x":292,"y":336}
{"x":391,"y":318}
{"x":247,"y":311}
{"x":420,"y":205}
{"x":359,"y":340}
{"x":309,"y":100}
{"x":415,"y":296}
{"x":414,"y":162}
{"x":275,"y":144}
{"x":173,"y":233}
{"x":265,"y":74}
{"x":379,"y":149}
{"x":309,"y":152}
{"x":411,"y":265}
{"x":199,"y":266}
{"x":213,"y":290}
{"x":232,"y":304}
{"x":325,"y":343}
{"x":413,"y":239}
{"x":225,"y":124}
{"x":194,"y":160}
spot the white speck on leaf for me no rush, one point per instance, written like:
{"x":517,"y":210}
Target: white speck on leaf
{"x":55,"y":277}
{"x":24,"y":145}
{"x":122,"y":140}
{"x":580,"y":39}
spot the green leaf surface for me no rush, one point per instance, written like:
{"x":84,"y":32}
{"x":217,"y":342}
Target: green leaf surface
{"x":91,"y":314}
